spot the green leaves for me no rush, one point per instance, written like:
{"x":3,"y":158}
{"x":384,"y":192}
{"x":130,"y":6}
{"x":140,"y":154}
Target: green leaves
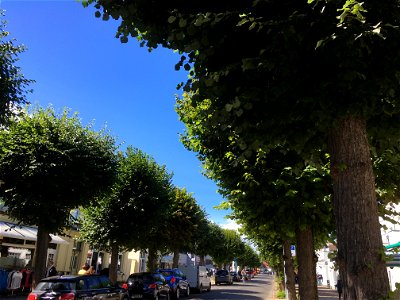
{"x":135,"y":209}
{"x":13,"y":84}
{"x":171,"y":19}
{"x":46,"y":156}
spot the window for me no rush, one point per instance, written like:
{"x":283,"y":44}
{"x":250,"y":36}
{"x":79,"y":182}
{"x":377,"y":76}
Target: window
{"x":105,"y":282}
{"x":55,"y":285}
{"x":93,"y":283}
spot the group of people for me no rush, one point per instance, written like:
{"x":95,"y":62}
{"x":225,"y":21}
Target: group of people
{"x":86,"y":270}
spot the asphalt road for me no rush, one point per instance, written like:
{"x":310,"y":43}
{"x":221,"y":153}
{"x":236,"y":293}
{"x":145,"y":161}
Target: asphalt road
{"x":258,"y":288}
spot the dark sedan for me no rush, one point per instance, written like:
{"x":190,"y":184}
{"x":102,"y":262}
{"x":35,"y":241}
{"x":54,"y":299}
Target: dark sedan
{"x":76,"y":287}
{"x":147,"y":285}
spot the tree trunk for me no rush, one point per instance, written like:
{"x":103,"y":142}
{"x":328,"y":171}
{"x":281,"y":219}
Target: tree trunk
{"x":152,"y":260}
{"x":362,"y":269}
{"x":289,"y":270}
{"x":40,"y":259}
{"x":307,"y":264}
{"x":202,"y":261}
{"x":175,"y":260}
{"x":114,"y":264}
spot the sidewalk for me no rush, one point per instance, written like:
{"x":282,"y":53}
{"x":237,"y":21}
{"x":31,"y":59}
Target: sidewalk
{"x":325,"y":293}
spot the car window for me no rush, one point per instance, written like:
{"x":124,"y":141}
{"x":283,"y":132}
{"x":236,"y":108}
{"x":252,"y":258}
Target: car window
{"x":145,"y":278}
{"x":93,"y":283}
{"x":105,"y":282}
{"x":80,"y":285}
{"x":166,"y":273}
{"x":56,"y":285}
{"x":159,"y":277}
{"x":222,"y":272}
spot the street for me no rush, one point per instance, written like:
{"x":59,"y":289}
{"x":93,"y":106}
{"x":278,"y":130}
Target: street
{"x":258,"y":288}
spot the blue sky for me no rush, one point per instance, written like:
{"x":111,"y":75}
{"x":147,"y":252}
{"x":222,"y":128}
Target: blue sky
{"x":78,"y":63}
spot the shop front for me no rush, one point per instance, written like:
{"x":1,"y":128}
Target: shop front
{"x":17,"y":247}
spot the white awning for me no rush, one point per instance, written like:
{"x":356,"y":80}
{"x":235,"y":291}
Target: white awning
{"x":16,"y":231}
{"x":55,"y":239}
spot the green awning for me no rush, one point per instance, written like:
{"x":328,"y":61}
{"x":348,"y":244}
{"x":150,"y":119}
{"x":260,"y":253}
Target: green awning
{"x":393,"y":246}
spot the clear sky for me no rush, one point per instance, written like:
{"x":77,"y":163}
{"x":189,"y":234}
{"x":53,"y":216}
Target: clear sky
{"x":78,"y":63}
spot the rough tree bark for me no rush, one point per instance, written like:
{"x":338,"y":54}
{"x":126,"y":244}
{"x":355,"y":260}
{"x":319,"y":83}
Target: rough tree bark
{"x":152,"y":260}
{"x":114,"y":264}
{"x":362,"y":269}
{"x":175,"y":260}
{"x":40,"y":259}
{"x":289,"y":270}
{"x":306,"y":259}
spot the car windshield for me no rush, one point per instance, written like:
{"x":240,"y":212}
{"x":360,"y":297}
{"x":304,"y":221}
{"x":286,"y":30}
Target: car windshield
{"x":56,"y":285}
{"x":142,"y":278}
{"x":222,"y":272}
{"x":167,"y":273}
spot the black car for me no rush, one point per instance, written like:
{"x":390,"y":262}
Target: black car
{"x":77,"y":287}
{"x":147,"y":285}
{"x":177,"y":282}
{"x":223,"y":276}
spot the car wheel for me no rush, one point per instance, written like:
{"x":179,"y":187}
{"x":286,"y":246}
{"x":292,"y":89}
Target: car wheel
{"x":188,"y":291}
{"x":168,"y":296}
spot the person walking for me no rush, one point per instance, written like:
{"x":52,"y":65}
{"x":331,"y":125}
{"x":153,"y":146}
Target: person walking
{"x":243,"y":273}
{"x":339,"y":288}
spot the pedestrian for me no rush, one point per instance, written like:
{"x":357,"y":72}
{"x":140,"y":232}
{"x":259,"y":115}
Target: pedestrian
{"x":243,"y":273}
{"x":320,"y":279}
{"x":83,"y":270}
{"x":51,"y":270}
{"x":339,"y":288}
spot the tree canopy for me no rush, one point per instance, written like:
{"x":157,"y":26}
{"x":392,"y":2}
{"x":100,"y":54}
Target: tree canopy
{"x":133,"y":214}
{"x":267,"y":73}
{"x":50,"y":164}
{"x":183,"y":220}
{"x":13,"y":84}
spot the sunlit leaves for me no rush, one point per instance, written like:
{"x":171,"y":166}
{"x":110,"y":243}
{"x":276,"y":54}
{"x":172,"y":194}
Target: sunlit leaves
{"x":134,"y":209}
{"x":13,"y":84}
{"x":45,"y":156}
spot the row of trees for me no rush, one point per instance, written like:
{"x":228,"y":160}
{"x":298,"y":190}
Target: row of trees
{"x":292,"y":106}
{"x":50,"y":163}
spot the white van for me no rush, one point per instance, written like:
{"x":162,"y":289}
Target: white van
{"x":197,"y":277}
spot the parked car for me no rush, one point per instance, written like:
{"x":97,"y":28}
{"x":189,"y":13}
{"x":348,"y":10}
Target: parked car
{"x":223,"y":276}
{"x":177,"y":282}
{"x":74,"y":287}
{"x":197,"y":277}
{"x":147,"y":285}
{"x":250,"y":274}
{"x":236,"y":276}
